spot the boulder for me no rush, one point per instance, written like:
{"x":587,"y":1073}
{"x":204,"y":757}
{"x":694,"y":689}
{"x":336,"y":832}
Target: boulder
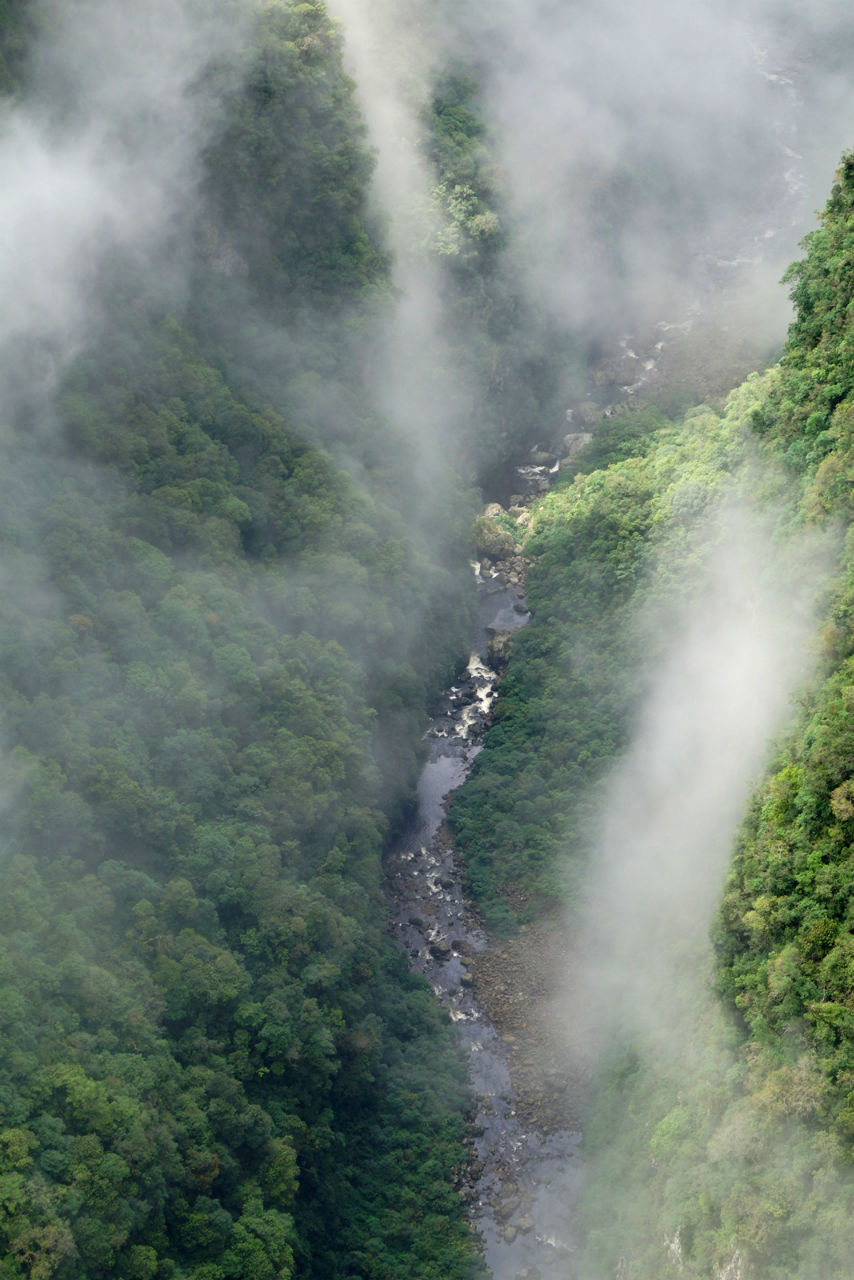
{"x":589,"y":413}
{"x":498,"y":648}
{"x":538,"y":457}
{"x":575,"y":441}
{"x":491,"y":541}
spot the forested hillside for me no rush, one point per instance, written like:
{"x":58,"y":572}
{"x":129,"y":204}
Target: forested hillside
{"x":728,"y":1152}
{"x":235,"y":530}
{"x":220,"y":636}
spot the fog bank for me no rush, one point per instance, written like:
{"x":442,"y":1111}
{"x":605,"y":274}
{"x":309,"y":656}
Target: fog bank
{"x":734,"y":648}
{"x":655,"y":155}
{"x":103,"y":153}
{"x":416,"y":376}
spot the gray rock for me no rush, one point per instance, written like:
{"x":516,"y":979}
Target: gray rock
{"x":589,"y":412}
{"x":575,"y":441}
{"x":540,"y":458}
{"x":498,"y":648}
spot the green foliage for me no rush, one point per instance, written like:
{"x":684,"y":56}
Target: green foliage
{"x":287,"y":177}
{"x":463,"y":194}
{"x":216,"y":651}
{"x":491,"y":539}
{"x":196,"y":987}
{"x":808,"y":415}
{"x":603,"y":545}
{"x":20,"y":22}
{"x":731,"y":1153}
{"x":734,"y":1155}
{"x":625,"y":434}
{"x":700,"y":1160}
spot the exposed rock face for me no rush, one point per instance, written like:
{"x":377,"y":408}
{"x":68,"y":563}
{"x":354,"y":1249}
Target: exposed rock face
{"x":735,"y":1269}
{"x":588,"y":413}
{"x":490,"y":540}
{"x":574,"y":443}
{"x":538,"y":457}
{"x":498,"y":648}
{"x":575,"y":440}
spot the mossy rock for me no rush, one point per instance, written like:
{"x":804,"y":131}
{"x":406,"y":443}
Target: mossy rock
{"x":491,"y":541}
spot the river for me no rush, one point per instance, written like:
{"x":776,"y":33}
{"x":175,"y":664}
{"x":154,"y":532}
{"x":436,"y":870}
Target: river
{"x":522,"y":1181}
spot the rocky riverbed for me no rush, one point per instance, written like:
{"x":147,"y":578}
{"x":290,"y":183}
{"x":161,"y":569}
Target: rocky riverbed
{"x":506,"y":998}
{"x":521,"y":1182}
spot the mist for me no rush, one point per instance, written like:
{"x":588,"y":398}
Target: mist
{"x":654,"y":155}
{"x":654,"y":164}
{"x":649,"y":158}
{"x":416,"y":376}
{"x":728,"y":628}
{"x":100,"y":161}
{"x":648,"y":161}
{"x":728,"y":655}
{"x":102,"y":154}
{"x":647,"y":166}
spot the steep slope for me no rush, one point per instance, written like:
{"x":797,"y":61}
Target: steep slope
{"x":721,"y":1147}
{"x":218,"y":643}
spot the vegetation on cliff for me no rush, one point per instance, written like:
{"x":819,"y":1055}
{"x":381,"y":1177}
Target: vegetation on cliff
{"x":218,"y":645}
{"x":222,"y":625}
{"x":731,"y":1154}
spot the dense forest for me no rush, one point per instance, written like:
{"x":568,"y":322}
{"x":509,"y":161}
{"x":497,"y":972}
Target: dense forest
{"x":236,"y":577}
{"x":728,"y":1152}
{"x":221,"y":632}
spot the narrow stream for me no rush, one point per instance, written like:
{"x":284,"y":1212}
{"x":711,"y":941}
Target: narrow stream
{"x":523,"y":1182}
